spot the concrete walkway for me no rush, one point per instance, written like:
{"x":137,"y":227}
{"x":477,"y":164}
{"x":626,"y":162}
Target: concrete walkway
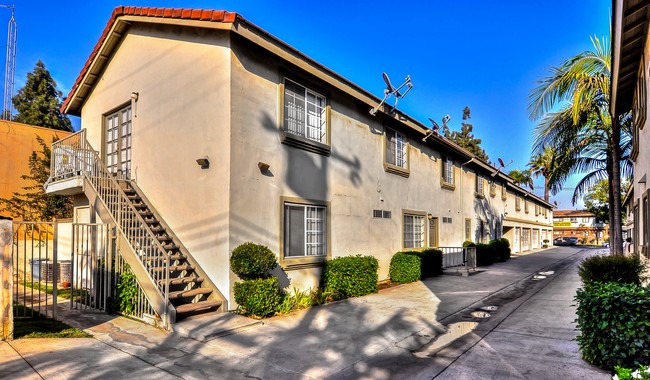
{"x":419,"y":330}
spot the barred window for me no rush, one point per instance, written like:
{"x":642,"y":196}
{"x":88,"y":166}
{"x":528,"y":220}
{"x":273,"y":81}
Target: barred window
{"x":304,"y":230}
{"x":448,"y":170}
{"x":304,"y":112}
{"x":396,"y":149}
{"x":413,"y":231}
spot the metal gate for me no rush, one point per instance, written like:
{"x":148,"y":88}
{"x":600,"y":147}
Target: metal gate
{"x":59,"y":262}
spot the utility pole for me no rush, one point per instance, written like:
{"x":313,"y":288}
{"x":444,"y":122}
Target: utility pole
{"x":10,"y":65}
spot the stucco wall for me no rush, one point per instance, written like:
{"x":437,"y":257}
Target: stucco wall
{"x":182,"y":114}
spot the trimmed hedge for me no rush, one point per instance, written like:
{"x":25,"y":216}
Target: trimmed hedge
{"x":614,"y":323}
{"x":485,"y":254}
{"x":431,"y":262}
{"x":620,"y":269}
{"x":405,"y":268}
{"x":258,"y":297}
{"x":502,"y":248}
{"x":250,"y":261}
{"x":350,"y":276}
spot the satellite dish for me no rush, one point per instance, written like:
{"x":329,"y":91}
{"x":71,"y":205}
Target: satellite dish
{"x":446,"y":120}
{"x":390,"y":90}
{"x":501,"y":162}
{"x":434,"y":129}
{"x":555,"y":203}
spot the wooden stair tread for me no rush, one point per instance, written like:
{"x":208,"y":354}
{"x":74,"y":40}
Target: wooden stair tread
{"x":182,"y":280}
{"x":175,"y":268}
{"x":189,"y":293}
{"x":175,"y":256}
{"x":197,"y":306}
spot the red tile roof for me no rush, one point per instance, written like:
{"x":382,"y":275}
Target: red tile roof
{"x":177,"y":13}
{"x":572,"y":213}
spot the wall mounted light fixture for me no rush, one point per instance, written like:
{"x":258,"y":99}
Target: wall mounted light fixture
{"x":204,"y":163}
{"x":263,"y":166}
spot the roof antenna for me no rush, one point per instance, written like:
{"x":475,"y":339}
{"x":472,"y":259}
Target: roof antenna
{"x":436,"y":127}
{"x":390,"y":90}
{"x":502,"y":166}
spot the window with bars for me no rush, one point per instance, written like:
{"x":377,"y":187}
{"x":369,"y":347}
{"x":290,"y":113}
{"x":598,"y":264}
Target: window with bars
{"x":305,"y":231}
{"x":396,"y":149}
{"x":479,"y":184}
{"x":448,"y":170}
{"x":304,"y":112}
{"x":413,"y":231}
{"x":118,"y":141}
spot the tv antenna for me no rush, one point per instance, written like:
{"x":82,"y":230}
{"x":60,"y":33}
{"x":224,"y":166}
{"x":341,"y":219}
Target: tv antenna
{"x":435,"y":127}
{"x":390,"y":90}
{"x":10,"y":65}
{"x":502,"y":166}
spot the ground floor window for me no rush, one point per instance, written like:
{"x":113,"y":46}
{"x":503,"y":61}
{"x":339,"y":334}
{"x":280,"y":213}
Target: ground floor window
{"x":305,"y":231}
{"x":413,"y":231}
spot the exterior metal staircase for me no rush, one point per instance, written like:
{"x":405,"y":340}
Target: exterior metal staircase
{"x":174,"y":284}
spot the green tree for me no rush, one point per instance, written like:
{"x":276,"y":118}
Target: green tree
{"x":596,"y":199}
{"x":39,"y":101}
{"x":572,"y":107}
{"x":33,"y":203}
{"x":522,"y":178}
{"x":542,"y":164}
{"x":465,"y":138}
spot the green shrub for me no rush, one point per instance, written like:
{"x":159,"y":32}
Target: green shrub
{"x":501,"y":249}
{"x":640,"y":373}
{"x":430,"y":262}
{"x":468,"y":243}
{"x":485,"y":254}
{"x":614,"y":323}
{"x":250,"y":261}
{"x":350,"y":276}
{"x":625,"y":270}
{"x":405,"y":267}
{"x":258,"y":297}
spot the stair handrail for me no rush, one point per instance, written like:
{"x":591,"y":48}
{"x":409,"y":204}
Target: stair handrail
{"x":79,"y":158}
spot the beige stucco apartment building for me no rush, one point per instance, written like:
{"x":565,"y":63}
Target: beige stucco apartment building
{"x":233,"y":136}
{"x":630,"y":76}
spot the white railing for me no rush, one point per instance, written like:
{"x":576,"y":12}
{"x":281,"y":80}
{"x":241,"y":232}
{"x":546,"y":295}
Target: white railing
{"x":459,"y":257}
{"x":74,"y":156}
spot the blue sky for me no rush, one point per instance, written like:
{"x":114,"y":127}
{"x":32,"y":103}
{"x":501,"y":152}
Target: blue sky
{"x":483,"y":54}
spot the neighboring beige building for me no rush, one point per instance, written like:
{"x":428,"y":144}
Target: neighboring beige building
{"x":581,"y":224}
{"x":17,"y":143}
{"x":231,"y":135}
{"x":630,"y":77}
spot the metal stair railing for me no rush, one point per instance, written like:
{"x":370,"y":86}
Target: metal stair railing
{"x":74,"y":156}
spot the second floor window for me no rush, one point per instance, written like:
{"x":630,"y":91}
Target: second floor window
{"x":448,"y":170}
{"x":396,"y":149}
{"x":304,"y":112}
{"x":479,"y":184}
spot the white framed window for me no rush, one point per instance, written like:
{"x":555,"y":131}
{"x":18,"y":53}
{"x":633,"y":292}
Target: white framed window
{"x":305,"y":112}
{"x":479,"y":184}
{"x":305,"y":230}
{"x":413,"y":231}
{"x":396,"y":149}
{"x":448,"y":170}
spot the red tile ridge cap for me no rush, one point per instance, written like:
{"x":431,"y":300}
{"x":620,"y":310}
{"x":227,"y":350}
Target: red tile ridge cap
{"x":172,"y":13}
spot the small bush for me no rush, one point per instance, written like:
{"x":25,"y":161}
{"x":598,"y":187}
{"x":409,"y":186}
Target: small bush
{"x":405,"y":268}
{"x":485,"y":254}
{"x":624,"y":270}
{"x":430,"y":262}
{"x":258,"y":297}
{"x":250,"y":261}
{"x":468,"y":243}
{"x":350,"y":276}
{"x":501,"y":249}
{"x":614,"y":323}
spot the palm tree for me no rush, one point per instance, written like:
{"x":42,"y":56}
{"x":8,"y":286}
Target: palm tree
{"x":522,"y":178}
{"x":582,"y":132}
{"x":542,"y":164}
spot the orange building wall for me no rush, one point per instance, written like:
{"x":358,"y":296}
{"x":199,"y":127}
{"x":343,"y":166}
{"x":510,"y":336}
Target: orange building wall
{"x":17,"y":142}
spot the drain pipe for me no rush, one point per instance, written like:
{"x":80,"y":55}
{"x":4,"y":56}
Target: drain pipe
{"x":461,"y":189}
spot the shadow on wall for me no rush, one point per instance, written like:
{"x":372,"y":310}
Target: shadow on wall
{"x":488,"y":220}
